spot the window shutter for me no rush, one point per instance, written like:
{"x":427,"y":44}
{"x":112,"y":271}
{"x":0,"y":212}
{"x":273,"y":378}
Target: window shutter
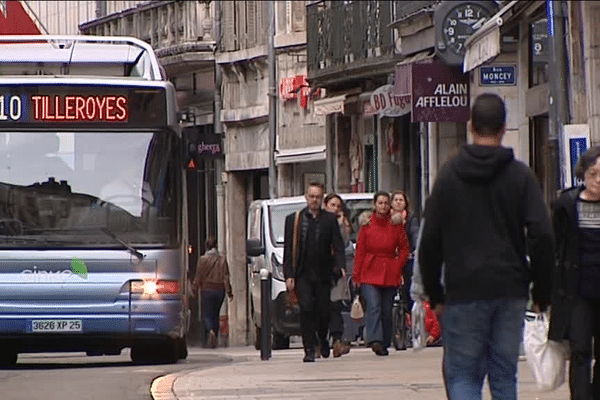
{"x":228,"y":21}
{"x":251,"y":24}
{"x":298,"y":16}
{"x":262,"y":28}
{"x":240,"y":27}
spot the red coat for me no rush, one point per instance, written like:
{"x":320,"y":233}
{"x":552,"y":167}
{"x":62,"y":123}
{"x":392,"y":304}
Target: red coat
{"x":432,"y":325}
{"x":381,"y":251}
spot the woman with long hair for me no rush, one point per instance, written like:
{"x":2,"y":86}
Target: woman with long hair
{"x":381,"y":251}
{"x":401,"y":210}
{"x":340,"y":292}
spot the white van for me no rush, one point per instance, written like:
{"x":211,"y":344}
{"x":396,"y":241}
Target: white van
{"x":264,"y":246}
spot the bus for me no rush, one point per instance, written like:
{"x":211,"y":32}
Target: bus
{"x":93,"y":234}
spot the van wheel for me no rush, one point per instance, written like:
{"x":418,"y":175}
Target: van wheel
{"x":280,"y":341}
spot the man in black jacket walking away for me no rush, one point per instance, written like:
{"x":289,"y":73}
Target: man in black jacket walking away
{"x":313,"y":258}
{"x":484,"y":217}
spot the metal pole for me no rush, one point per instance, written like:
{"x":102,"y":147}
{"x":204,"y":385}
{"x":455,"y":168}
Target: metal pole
{"x":265,"y":318}
{"x":558,"y":110}
{"x":272,"y":101}
{"x":218,"y":126}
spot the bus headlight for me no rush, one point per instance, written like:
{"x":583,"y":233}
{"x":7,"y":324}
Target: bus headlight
{"x":277,"y":268}
{"x":150,"y":287}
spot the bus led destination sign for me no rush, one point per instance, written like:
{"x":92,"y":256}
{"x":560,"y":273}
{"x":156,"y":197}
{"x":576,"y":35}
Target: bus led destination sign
{"x":80,"y":108}
{"x":90,"y":106}
{"x":67,"y":108}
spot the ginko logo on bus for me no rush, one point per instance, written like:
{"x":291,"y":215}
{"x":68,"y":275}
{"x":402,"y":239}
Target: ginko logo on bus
{"x":42,"y":275}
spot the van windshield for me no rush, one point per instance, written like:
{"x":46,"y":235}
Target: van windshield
{"x":278,"y":212}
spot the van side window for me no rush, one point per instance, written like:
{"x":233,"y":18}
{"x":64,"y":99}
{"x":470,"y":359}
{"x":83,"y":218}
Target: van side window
{"x":255,"y":228}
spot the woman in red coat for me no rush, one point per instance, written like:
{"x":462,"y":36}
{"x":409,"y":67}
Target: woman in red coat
{"x":381,"y":252}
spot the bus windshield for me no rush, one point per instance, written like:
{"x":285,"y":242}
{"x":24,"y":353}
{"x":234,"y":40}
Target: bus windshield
{"x":68,"y":189}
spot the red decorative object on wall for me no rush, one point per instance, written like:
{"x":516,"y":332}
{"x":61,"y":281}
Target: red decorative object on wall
{"x":290,"y":87}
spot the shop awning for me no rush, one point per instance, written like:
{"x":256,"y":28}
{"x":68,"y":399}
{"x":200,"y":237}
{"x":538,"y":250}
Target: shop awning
{"x":484,"y":43}
{"x":403,"y":75}
{"x":301,"y":155}
{"x":329,"y":105}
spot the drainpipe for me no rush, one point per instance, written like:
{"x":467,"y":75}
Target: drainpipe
{"x":558,"y":107}
{"x":272,"y":101}
{"x":218,"y":126}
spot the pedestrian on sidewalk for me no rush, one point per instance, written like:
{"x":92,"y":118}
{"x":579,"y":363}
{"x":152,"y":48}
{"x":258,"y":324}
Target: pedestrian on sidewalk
{"x":575,"y":312}
{"x":381,"y":251}
{"x":401,"y":207}
{"x":212,"y":279}
{"x":485,"y":214}
{"x":340,"y":292}
{"x":313,"y":258}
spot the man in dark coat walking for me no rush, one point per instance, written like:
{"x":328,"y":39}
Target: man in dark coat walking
{"x":484,"y":217}
{"x":313,"y":258}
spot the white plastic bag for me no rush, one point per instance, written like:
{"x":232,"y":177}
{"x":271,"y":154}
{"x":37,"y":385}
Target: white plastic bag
{"x":356,"y":310}
{"x":418,"y":331}
{"x":546,"y":358}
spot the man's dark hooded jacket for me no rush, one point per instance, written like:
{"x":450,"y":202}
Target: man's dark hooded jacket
{"x":484,"y":216}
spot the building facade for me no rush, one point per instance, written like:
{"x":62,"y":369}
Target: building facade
{"x":351,"y":96}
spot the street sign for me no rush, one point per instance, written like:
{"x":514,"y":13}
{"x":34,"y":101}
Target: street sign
{"x":498,"y":75}
{"x":577,"y":141}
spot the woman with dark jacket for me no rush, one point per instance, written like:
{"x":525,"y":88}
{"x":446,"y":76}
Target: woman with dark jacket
{"x":381,"y":252}
{"x":575,"y":312}
{"x":401,"y":208}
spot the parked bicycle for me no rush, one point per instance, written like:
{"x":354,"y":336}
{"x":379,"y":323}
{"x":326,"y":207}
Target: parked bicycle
{"x":401,"y":333}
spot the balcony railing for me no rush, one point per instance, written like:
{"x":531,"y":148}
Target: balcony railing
{"x":347,"y":32}
{"x":404,"y":9}
{"x":170,"y":27}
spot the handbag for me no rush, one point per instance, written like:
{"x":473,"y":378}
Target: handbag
{"x":341,"y":290}
{"x":546,"y":358}
{"x":356,"y":310}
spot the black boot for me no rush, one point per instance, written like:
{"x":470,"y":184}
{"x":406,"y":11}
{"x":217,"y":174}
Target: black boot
{"x":309,"y":355}
{"x":325,"y":349}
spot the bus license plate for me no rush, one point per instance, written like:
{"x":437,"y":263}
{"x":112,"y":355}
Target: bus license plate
{"x":54,"y":325}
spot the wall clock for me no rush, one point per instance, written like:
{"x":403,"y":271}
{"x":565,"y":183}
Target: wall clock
{"x":454,"y":22}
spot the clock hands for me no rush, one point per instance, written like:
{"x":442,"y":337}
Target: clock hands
{"x":478,"y":24}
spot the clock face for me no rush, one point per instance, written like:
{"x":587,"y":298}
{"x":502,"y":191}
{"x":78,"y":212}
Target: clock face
{"x":460,"y":23}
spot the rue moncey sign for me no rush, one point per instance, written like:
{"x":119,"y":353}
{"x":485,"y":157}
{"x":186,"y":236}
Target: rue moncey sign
{"x":440,"y":93}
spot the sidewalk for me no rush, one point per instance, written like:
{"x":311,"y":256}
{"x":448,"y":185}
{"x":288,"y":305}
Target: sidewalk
{"x":405,"y":375}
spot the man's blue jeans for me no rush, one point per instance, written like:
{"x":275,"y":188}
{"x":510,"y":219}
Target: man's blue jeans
{"x":482,"y":338}
{"x":378,"y":316}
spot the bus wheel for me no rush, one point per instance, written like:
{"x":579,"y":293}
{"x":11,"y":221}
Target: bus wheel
{"x":8,"y":358}
{"x":182,"y":350}
{"x":141,"y":353}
